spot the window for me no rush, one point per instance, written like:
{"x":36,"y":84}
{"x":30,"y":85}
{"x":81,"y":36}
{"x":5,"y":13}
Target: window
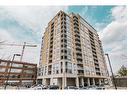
{"x":87,"y":70}
{"x":68,"y":67}
{"x":3,"y":63}
{"x":65,"y":57}
{"x":2,"y":69}
{"x":16,"y":70}
{"x":56,"y":68}
{"x":61,"y":57}
{"x":17,"y":65}
{"x":69,"y":57}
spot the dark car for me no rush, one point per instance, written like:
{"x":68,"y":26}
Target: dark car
{"x":53,"y":87}
{"x":71,"y":87}
{"x":100,"y":88}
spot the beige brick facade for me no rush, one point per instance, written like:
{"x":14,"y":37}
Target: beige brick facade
{"x":71,"y":53}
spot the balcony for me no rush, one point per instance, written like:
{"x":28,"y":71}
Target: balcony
{"x":77,"y":39}
{"x":91,"y":38}
{"x":92,"y":41}
{"x":50,"y":61}
{"x":79,"y":57}
{"x":75,"y":18}
{"x":96,"y":66}
{"x":79,"y":60}
{"x":98,"y":73}
{"x":77,"y":44}
{"x":80,"y":73}
{"x":77,"y":36}
{"x":90,"y":33}
{"x":76,"y":28}
{"x":51,"y":43}
{"x":97,"y":69}
{"x":50,"y":56}
{"x":96,"y":63}
{"x":76,"y":24}
{"x":63,"y":27}
{"x":78,"y":49}
{"x":79,"y":68}
{"x":78,"y":53}
{"x":93,"y":45}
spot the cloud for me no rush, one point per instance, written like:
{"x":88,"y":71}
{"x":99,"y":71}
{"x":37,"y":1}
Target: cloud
{"x":5,"y":36}
{"x":114,"y":36}
{"x":35,"y":18}
{"x":119,"y":13}
{"x":23,"y":23}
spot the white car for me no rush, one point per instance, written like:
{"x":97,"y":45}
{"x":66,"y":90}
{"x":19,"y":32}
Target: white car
{"x":100,"y":88}
{"x":36,"y":88}
{"x":92,"y":87}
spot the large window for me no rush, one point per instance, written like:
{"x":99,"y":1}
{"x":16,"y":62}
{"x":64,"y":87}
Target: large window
{"x":87,"y":70}
{"x":2,"y":69}
{"x":17,"y":65}
{"x":3,"y":63}
{"x":68,"y":67}
{"x":16,"y":70}
{"x":28,"y":71}
{"x":56,"y":68}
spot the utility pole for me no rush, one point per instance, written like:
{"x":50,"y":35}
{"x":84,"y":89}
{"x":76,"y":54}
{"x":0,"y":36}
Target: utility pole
{"x":111,"y":71}
{"x":23,"y":51}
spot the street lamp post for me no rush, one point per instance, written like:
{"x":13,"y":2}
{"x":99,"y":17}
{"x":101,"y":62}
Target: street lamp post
{"x":10,"y":69}
{"x":111,"y":71}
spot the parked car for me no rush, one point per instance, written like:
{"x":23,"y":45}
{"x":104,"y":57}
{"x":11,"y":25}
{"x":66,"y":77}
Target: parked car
{"x":28,"y":86}
{"x":33,"y":86}
{"x":100,"y":88}
{"x":92,"y":87}
{"x":38,"y":87}
{"x":83,"y":88}
{"x":71,"y":87}
{"x":53,"y":87}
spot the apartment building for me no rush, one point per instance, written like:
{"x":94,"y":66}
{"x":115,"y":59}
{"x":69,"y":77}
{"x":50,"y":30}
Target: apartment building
{"x":20,"y":73}
{"x":71,"y":53}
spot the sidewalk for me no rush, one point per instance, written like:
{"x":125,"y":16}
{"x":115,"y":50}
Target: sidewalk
{"x":118,"y":88}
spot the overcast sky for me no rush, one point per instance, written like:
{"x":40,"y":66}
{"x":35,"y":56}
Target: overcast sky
{"x":27,"y":24}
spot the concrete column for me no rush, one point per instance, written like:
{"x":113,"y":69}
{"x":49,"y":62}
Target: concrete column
{"x":82,"y":82}
{"x":44,"y":81}
{"x":60,"y":68}
{"x":52,"y":70}
{"x":103,"y":81}
{"x":99,"y":81}
{"x":51,"y":81}
{"x":77,"y":81}
{"x":93,"y":81}
{"x":63,"y":67}
{"x":88,"y":81}
{"x":64,"y":82}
